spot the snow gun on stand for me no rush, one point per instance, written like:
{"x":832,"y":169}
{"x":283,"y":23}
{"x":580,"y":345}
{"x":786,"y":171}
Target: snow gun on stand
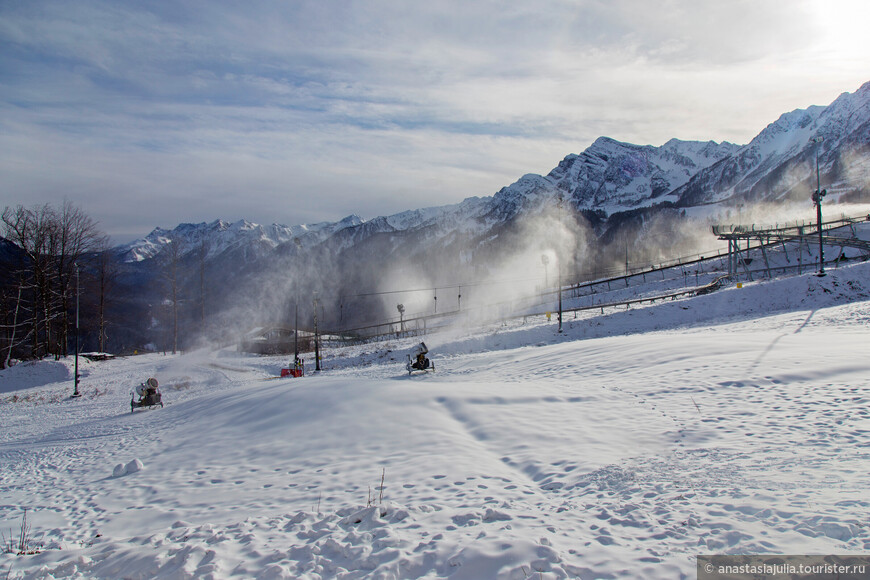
{"x":417,"y":360}
{"x":296,"y":370}
{"x":149,"y":395}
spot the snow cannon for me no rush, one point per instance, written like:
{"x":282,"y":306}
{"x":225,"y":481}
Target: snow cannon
{"x":296,"y":370}
{"x":417,"y":360}
{"x":149,"y":395}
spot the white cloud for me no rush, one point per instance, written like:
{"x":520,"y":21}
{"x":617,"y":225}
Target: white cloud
{"x":328,"y":108}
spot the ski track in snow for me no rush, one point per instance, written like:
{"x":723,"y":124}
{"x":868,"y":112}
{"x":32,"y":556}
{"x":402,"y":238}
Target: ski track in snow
{"x":623,"y":448}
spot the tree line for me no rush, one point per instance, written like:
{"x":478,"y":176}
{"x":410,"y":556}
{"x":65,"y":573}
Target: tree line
{"x":56,"y":253}
{"x":56,"y":266}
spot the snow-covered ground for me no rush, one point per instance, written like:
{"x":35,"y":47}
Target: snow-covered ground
{"x":736,"y":422}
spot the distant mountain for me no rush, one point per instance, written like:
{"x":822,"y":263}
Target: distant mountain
{"x":10,"y":256}
{"x":218,"y":237}
{"x":610,"y":191}
{"x":609,"y":176}
{"x":614,"y":176}
{"x":780,"y":163}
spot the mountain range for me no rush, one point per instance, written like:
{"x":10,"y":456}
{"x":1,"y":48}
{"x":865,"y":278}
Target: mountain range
{"x":607,"y":179}
{"x":613,"y":203}
{"x":637,"y":195}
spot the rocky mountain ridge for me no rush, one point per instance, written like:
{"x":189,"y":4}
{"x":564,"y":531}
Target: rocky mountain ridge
{"x":609,"y":204}
{"x":609,"y":177}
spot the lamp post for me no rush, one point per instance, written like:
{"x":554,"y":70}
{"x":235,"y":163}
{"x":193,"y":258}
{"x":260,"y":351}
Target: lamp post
{"x":76,"y":392}
{"x":818,"y":194}
{"x":401,"y":309}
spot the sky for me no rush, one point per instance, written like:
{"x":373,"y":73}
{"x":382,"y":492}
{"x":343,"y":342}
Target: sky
{"x":159,"y":112}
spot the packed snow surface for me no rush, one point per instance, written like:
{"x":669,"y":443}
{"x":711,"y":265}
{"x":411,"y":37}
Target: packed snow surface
{"x":736,"y":422}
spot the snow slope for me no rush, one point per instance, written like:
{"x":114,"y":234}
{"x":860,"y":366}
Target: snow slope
{"x":735,"y":422}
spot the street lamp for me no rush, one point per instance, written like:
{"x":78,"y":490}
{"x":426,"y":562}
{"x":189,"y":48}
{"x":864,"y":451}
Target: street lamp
{"x":401,"y":309}
{"x":818,"y":194}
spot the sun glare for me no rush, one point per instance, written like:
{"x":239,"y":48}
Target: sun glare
{"x":843,"y":27}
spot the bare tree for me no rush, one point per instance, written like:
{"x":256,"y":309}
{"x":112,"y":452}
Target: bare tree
{"x":52,"y":242}
{"x":76,"y":235}
{"x":17,"y":310}
{"x":14,"y":305}
{"x":29,"y":230}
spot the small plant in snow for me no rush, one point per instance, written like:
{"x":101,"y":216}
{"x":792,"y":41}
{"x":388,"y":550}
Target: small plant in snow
{"x":23,"y":544}
{"x":380,"y":500}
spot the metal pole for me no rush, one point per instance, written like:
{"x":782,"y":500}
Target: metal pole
{"x":76,"y":380}
{"x":766,"y":261}
{"x":729,"y":257}
{"x":316,"y":338}
{"x":819,"y":195}
{"x":817,"y":199}
{"x":732,"y":257}
{"x":401,"y":309}
{"x":559,"y":266}
{"x":800,"y":251}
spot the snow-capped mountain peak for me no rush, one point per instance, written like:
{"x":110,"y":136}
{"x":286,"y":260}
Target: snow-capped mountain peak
{"x":611,"y":175}
{"x":779,"y":162}
{"x":607,"y":177}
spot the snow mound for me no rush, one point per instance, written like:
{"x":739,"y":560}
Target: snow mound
{"x":134,"y":466}
{"x":38,"y":373}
